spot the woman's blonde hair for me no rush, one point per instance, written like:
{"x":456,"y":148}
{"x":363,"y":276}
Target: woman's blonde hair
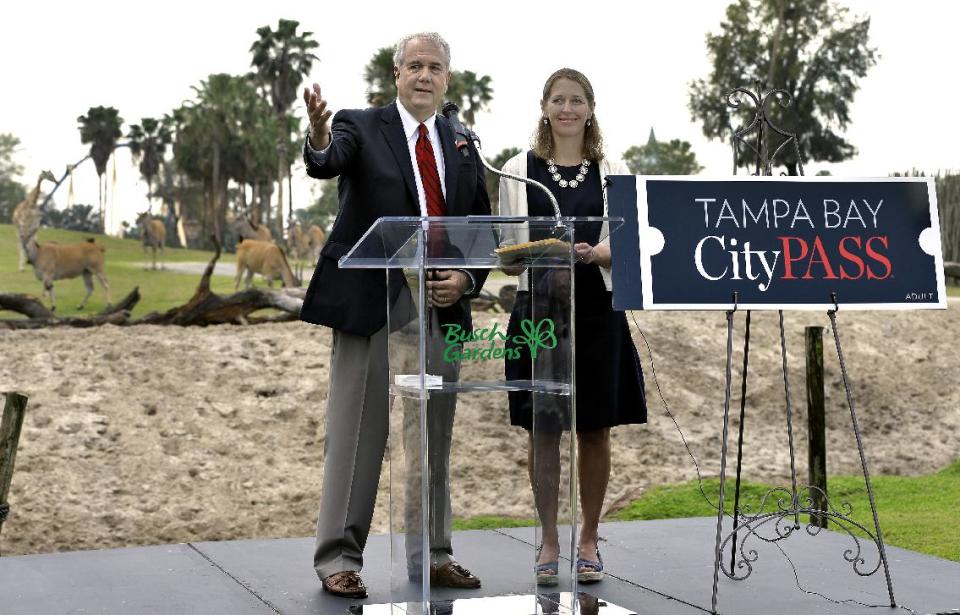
{"x":542,"y":142}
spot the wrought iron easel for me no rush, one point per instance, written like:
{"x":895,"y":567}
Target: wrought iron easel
{"x":789,"y":504}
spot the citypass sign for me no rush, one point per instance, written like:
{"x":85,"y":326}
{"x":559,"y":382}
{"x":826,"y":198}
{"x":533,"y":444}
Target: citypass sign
{"x":777,"y":242}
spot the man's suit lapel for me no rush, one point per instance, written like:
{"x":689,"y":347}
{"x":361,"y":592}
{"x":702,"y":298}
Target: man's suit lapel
{"x":451,"y":162}
{"x":392,"y":129}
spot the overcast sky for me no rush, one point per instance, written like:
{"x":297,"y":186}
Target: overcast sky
{"x":61,"y":58}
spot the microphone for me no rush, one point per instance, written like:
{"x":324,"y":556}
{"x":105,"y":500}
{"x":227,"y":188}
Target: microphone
{"x":462,"y":135}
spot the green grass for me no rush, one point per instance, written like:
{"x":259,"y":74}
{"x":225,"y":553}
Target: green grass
{"x":159,"y":290}
{"x":918,"y":513}
{"x":490,"y":523}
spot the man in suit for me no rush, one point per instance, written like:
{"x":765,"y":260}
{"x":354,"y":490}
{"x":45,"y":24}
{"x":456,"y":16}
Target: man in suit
{"x":390,"y":161}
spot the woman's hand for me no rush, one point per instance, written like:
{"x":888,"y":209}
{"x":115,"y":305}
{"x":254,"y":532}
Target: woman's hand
{"x":594,"y":255}
{"x":515,"y":270}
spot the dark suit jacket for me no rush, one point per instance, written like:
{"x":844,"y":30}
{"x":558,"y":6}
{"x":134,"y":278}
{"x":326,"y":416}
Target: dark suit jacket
{"x":369,"y":153}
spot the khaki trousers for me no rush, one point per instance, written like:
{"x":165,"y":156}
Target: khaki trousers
{"x":357,"y":426}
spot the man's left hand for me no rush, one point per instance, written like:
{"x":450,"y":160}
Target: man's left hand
{"x":446,"y":287}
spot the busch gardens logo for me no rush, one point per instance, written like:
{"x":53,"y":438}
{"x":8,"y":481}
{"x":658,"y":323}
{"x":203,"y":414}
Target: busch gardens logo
{"x":534,"y":336}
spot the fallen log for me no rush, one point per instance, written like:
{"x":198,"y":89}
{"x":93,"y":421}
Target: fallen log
{"x":952,"y":269}
{"x":206,"y":307}
{"x":28,"y":305}
{"x":38,"y":316}
{"x":117,"y":318}
{"x":212,"y":309}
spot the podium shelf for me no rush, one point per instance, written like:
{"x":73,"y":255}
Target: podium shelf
{"x":552,"y":387}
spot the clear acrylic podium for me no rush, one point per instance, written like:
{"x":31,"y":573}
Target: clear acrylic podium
{"x":433,"y":360}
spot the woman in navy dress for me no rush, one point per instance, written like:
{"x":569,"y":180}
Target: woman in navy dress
{"x":567,"y":157}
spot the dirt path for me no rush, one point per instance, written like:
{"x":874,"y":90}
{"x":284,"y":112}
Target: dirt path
{"x":145,"y":435}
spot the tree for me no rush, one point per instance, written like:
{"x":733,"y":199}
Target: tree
{"x":8,"y":147}
{"x":183,"y":198}
{"x":78,"y":217}
{"x":471,"y":92}
{"x":282,"y":59}
{"x":100,"y":127}
{"x":493,"y":180}
{"x":228,"y":132}
{"x":148,"y":143}
{"x":378,"y":73}
{"x":324,"y":209}
{"x":207,"y":140}
{"x":171,"y":190}
{"x":12,"y":191}
{"x":810,"y":48}
{"x":673,"y":157}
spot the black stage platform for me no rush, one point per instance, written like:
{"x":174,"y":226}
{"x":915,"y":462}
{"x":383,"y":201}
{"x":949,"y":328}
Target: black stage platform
{"x":654,"y":567}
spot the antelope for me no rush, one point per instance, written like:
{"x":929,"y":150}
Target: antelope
{"x":154,"y":236}
{"x":317,"y":237}
{"x":52,"y":261}
{"x":264,"y":258}
{"x":299,"y":243}
{"x":248,"y":229}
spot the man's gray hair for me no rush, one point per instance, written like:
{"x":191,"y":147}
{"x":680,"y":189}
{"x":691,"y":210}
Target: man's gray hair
{"x":433,"y":37}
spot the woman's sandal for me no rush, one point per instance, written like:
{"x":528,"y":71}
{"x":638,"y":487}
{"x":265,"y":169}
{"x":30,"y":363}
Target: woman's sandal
{"x":590,"y":571}
{"x":547,"y":573}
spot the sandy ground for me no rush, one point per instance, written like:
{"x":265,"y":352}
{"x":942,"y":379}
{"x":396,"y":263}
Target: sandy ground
{"x":147,"y":435}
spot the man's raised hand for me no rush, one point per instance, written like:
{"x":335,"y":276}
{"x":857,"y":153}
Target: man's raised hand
{"x":317,"y":112}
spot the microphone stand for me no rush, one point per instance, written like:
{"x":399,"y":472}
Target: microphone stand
{"x":450,"y":111}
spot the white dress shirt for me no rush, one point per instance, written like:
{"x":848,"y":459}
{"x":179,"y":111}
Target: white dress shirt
{"x":411,"y":128}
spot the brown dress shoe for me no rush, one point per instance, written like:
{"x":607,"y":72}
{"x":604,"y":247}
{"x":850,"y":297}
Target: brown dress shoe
{"x":345,"y":584}
{"x":452,"y":574}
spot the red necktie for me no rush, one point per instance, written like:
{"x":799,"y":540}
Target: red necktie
{"x":428,"y":174}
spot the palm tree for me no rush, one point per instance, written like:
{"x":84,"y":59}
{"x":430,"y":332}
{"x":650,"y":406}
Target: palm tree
{"x":11,"y":190}
{"x":493,"y":181}
{"x":282,"y":59}
{"x":100,"y":127}
{"x":148,"y":144}
{"x":472,"y":93}
{"x":381,"y":84}
{"x":173,"y":124}
{"x":204,"y":142}
{"x":228,"y":132}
